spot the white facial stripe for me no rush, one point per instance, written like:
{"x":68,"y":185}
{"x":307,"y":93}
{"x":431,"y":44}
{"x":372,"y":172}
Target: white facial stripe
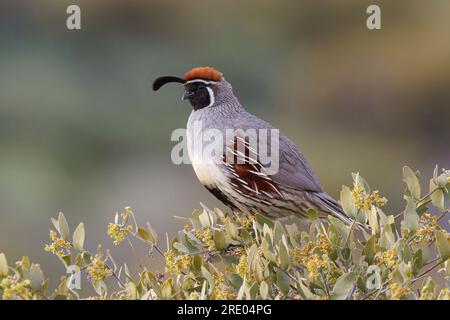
{"x":200,"y":80}
{"x":211,"y":96}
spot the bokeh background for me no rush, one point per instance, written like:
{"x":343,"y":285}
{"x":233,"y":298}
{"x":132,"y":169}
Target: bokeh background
{"x":81,"y":131}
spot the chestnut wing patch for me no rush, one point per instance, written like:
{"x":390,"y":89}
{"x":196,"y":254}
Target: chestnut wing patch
{"x":247,"y":173}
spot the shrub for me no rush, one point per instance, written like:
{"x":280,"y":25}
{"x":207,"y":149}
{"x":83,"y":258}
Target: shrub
{"x":231,"y":256}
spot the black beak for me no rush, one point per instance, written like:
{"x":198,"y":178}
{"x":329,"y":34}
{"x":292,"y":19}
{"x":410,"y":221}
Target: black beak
{"x":158,"y":83}
{"x":187,"y":94}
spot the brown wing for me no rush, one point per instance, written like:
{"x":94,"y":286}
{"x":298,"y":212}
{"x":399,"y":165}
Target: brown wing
{"x":247,"y":174}
{"x":294,"y":170}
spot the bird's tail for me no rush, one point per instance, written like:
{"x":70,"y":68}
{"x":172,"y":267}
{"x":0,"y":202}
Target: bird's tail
{"x":336,"y":210}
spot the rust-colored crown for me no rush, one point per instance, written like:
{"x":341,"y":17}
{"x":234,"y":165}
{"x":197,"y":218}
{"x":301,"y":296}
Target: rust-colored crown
{"x":204,"y":73}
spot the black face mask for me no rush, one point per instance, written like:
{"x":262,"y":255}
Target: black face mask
{"x":198,"y":95}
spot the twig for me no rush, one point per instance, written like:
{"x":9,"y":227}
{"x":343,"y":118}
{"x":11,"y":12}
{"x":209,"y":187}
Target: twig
{"x":443,"y":214}
{"x":375,"y":290}
{"x":327,"y":289}
{"x":419,"y":202}
{"x":115,"y":276}
{"x":423,"y":274}
{"x":135,"y":254}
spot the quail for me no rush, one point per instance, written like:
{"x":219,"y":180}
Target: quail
{"x":244,"y":184}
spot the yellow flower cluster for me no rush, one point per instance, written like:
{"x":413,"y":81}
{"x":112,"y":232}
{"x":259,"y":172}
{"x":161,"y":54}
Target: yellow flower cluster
{"x":120,"y":296}
{"x":322,"y":243}
{"x":14,"y":289}
{"x":314,"y":261}
{"x":194,"y":295}
{"x":425,"y":234}
{"x":96,"y":298}
{"x":247,"y":222}
{"x":220,"y":291}
{"x":239,"y":251}
{"x":58,"y":245}
{"x":389,"y":258}
{"x":118,"y":233}
{"x":365,"y":201}
{"x":426,"y":296}
{"x":398,"y":292}
{"x":444,"y":294}
{"x":242,"y":267}
{"x":98,"y":271}
{"x":176,"y":264}
{"x":205,"y":235}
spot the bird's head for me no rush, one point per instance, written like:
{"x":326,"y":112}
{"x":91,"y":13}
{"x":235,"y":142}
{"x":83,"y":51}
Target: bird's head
{"x":203,"y":86}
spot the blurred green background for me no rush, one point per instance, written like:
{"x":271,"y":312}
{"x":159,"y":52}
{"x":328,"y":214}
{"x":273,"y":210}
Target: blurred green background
{"x":81,"y":131}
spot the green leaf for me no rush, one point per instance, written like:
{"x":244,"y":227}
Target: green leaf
{"x":263,"y":220}
{"x":35,"y":275}
{"x":246,"y":237}
{"x":412,"y":181}
{"x":370,"y":249}
{"x":387,"y":238}
{"x":78,"y":237}
{"x":343,"y":286}
{"x":231,"y":229}
{"x":242,"y":290}
{"x":251,"y":291}
{"x":285,"y":262}
{"x":153,"y":282}
{"x":131,"y":290}
{"x":417,"y":262}
{"x":3,"y":265}
{"x":197,"y":263}
{"x":87,"y":257}
{"x":283,"y":282}
{"x":66,"y":259}
{"x":304,"y":291}
{"x":264,"y":290}
{"x":429,"y":286}
{"x":55,"y":224}
{"x":437,"y":197}
{"x":63,"y":227}
{"x":294,"y":233}
{"x":442,"y":244}
{"x":254,"y":263}
{"x":268,"y":233}
{"x":447,"y":267}
{"x":167,"y":289}
{"x":205,"y":220}
{"x":410,"y":217}
{"x":268,"y":251}
{"x":443,"y":179}
{"x":146,"y":235}
{"x":195,"y":221}
{"x":207,"y":275}
{"x":372,"y":216}
{"x":278,"y":232}
{"x":373,"y":279}
{"x":361,"y":284}
{"x":235,"y":280}
{"x":219,"y":240}
{"x":100,"y":287}
{"x":186,"y":244}
{"x":313,"y":215}
{"x":339,"y":227}
{"x":360,"y":181}
{"x":348,"y":203}
{"x":406,"y":252}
